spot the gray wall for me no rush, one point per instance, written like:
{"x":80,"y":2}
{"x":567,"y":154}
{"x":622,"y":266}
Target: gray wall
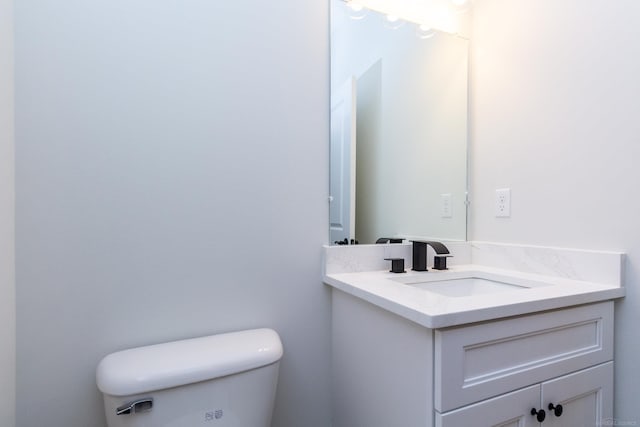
{"x":554,"y":113}
{"x":7,"y":234}
{"x":160,"y":161}
{"x":171,"y":182}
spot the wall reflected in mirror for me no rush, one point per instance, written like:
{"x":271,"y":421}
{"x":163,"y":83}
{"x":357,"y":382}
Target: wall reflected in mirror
{"x":398,"y":163}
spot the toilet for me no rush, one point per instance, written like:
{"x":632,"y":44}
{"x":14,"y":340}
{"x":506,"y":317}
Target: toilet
{"x":226,"y":380}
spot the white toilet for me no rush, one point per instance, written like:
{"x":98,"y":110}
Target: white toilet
{"x":216,"y":381}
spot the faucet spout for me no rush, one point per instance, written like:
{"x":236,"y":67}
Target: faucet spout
{"x":420,"y":254}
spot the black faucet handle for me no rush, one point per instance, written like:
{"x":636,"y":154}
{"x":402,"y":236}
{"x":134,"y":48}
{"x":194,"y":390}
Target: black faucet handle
{"x":397,"y":265}
{"x":440,"y":262}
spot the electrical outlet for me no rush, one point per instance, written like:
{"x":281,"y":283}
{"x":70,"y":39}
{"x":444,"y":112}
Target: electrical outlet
{"x":503,"y":202}
{"x":447,"y":210}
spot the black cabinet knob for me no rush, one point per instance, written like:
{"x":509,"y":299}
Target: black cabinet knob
{"x":540,"y":415}
{"x":557,"y":409}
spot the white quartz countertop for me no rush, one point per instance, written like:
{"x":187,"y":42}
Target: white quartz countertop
{"x":434,"y":310}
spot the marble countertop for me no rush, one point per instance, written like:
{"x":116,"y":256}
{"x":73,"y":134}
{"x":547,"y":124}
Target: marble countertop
{"x":433,"y":310}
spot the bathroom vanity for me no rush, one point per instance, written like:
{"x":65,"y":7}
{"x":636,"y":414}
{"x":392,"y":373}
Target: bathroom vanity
{"x":476,"y":345}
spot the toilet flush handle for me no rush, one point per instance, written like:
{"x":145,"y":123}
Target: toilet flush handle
{"x":142,"y":405}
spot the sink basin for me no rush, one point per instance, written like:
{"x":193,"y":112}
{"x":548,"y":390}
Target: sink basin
{"x":467,"y":287}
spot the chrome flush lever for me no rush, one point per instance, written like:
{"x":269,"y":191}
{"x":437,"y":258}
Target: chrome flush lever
{"x":142,"y":405}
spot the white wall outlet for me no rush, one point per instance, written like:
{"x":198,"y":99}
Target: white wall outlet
{"x":447,"y":209}
{"x":503,"y":202}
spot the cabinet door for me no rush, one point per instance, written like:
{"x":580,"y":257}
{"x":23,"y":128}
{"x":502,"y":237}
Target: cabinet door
{"x":586,"y":398}
{"x":509,"y":410}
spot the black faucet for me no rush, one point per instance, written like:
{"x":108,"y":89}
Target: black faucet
{"x":420,"y":255}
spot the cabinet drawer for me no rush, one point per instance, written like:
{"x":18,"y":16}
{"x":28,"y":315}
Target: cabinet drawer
{"x":476,"y":362}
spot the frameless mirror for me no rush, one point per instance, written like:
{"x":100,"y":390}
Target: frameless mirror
{"x":398,"y":161}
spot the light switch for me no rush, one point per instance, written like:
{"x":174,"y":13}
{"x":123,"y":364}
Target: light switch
{"x":447,"y":209}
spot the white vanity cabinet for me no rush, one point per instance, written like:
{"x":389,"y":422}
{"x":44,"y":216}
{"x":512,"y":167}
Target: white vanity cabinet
{"x":390,"y":371}
{"x":585,"y":398}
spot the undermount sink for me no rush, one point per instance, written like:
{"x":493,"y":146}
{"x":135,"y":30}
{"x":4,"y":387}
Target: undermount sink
{"x":466,"y":287}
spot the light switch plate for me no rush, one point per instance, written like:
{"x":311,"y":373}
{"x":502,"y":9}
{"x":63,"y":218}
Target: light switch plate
{"x":447,"y":209}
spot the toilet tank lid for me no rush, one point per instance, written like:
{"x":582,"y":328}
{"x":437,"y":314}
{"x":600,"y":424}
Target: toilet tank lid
{"x":161,"y":366}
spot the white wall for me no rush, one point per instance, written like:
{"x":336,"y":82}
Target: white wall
{"x":554,"y":110}
{"x":7,"y":234}
{"x":171,"y":182}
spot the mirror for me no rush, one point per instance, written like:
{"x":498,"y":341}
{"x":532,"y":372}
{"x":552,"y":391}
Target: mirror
{"x":398,"y":163}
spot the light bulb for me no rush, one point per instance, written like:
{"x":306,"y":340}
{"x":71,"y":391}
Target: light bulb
{"x":356,"y":7}
{"x":461,"y":6}
{"x":425,"y":31}
{"x":393,"y":22}
{"x":356,"y":10}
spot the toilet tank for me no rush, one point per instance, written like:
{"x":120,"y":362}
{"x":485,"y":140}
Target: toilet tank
{"x":226,"y":380}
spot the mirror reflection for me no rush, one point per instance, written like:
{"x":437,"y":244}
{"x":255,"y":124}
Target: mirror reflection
{"x":398,"y":165}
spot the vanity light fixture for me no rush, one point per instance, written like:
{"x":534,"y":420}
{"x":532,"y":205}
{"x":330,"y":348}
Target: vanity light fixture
{"x":393,"y":22}
{"x":424,"y":31}
{"x":357,"y":10}
{"x":461,"y":6}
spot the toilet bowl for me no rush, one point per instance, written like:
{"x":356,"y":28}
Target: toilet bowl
{"x":226,"y":380}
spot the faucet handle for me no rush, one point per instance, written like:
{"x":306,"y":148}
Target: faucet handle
{"x":397,"y":265}
{"x":440,"y":262}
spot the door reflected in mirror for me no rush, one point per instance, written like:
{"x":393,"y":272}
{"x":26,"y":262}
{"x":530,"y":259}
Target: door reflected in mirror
{"x":398,"y":163}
